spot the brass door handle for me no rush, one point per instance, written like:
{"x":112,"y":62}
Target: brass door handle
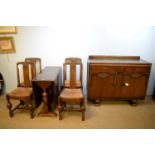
{"x":126,"y":84}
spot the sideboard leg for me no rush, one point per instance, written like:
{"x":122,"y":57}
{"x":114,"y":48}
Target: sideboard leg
{"x":133,"y":102}
{"x":97,"y":102}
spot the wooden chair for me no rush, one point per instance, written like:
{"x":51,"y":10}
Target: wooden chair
{"x":37,"y":62}
{"x":1,"y":84}
{"x":24,"y":93}
{"x":71,"y":98}
{"x":78,"y":75}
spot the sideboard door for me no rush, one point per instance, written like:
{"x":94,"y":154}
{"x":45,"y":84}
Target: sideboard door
{"x":134,"y":82}
{"x":102,"y":81}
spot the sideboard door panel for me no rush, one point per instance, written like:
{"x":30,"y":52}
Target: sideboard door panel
{"x":133,"y":87}
{"x":102,"y":81}
{"x":101,"y":85}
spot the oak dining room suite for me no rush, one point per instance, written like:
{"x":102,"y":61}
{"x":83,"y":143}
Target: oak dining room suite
{"x":77,"y":77}
{"x":55,"y":80}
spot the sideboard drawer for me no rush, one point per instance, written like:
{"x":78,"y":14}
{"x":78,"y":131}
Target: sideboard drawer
{"x":96,"y":68}
{"x":137,"y":69}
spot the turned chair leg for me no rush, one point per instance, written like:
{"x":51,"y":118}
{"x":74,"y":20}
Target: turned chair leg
{"x":60,"y":115}
{"x":82,"y":110}
{"x":9,"y":106}
{"x":31,"y":109}
{"x":60,"y":109}
{"x":21,"y":102}
{"x":83,"y":114}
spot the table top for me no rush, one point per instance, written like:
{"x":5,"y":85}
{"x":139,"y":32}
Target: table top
{"x":49,"y":73}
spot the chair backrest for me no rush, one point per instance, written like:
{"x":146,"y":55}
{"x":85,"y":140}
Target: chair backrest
{"x":25,"y":73}
{"x":37,"y":62}
{"x":73,"y":64}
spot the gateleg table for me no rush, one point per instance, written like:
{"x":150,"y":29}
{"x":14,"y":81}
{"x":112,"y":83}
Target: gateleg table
{"x":46,"y":88}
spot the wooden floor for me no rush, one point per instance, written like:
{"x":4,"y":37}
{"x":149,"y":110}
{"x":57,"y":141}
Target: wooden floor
{"x":109,"y":115}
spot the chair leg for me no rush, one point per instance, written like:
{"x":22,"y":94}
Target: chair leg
{"x":82,"y":110}
{"x":9,"y":106}
{"x":83,"y":115}
{"x":60,"y":109}
{"x":31,"y":108}
{"x":60,"y":116}
{"x":21,"y":102}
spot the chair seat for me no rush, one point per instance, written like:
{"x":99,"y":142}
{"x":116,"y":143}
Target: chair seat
{"x":20,"y":92}
{"x":22,"y":84}
{"x":71,"y":94}
{"x":67,"y":84}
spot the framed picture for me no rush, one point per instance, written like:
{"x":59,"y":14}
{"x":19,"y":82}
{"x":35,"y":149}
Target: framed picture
{"x":7,"y":45}
{"x":7,"y":29}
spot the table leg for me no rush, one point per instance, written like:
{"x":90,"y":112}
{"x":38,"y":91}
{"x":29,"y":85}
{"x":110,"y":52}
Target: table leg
{"x":45,"y":111}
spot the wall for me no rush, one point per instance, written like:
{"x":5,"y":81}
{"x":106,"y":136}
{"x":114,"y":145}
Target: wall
{"x":53,"y":44}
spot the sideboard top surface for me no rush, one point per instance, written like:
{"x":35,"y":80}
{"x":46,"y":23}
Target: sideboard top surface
{"x":116,"y":59}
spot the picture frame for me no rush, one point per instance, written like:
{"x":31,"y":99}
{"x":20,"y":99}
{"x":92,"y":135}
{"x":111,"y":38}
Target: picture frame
{"x":7,"y":29}
{"x":7,"y":45}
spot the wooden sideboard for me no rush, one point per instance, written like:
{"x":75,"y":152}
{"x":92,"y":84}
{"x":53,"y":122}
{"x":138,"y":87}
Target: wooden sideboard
{"x":117,"y":77}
